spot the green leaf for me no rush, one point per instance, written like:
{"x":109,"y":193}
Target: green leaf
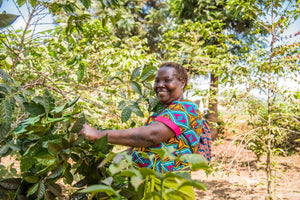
{"x":101,"y":144}
{"x":4,"y":130}
{"x":26,"y":163}
{"x":122,"y":104}
{"x":80,"y":72}
{"x":4,"y":88}
{"x":54,"y":148}
{"x":68,"y":176}
{"x":14,"y":147}
{"x":129,"y":173}
{"x":73,"y":61}
{"x":4,"y":148}
{"x":32,"y":190}
{"x":32,"y":179}
{"x":71,"y":103}
{"x":48,"y":101}
{"x":55,"y":189}
{"x":32,"y":2}
{"x":197,"y":161}
{"x":4,"y":75}
{"x":86,"y":3}
{"x":136,"y":109}
{"x":33,"y":108}
{"x":136,"y":87}
{"x":78,"y":124}
{"x":21,"y":2}
{"x":7,"y":19}
{"x":126,"y":114}
{"x":144,"y":171}
{"x":136,"y":72}
{"x":6,"y":111}
{"x":79,"y":140}
{"x":197,"y":184}
{"x":136,"y":181}
{"x":46,"y":160}
{"x":99,"y":188}
{"x":148,"y":71}
{"x":10,"y":183}
{"x":41,"y":190}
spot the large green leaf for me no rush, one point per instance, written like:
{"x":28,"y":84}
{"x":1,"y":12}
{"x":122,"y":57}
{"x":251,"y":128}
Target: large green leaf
{"x":136,"y":109}
{"x":4,"y":129}
{"x":56,"y":173}
{"x":46,"y":160}
{"x":68,"y":176}
{"x":3,"y":74}
{"x":41,"y":190}
{"x":100,"y":188}
{"x":101,"y":144}
{"x":33,"y":108}
{"x":32,"y":189}
{"x":5,"y":89}
{"x":136,"y":87}
{"x":7,"y":19}
{"x":126,"y":113}
{"x":147,"y":72}
{"x":136,"y":72}
{"x":26,"y":163}
{"x":32,"y":179}
{"x":48,"y":101}
{"x":6,"y":111}
{"x":10,"y":183}
{"x":4,"y":149}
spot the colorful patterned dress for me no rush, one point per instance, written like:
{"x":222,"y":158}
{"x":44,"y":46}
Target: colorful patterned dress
{"x":184,"y":118}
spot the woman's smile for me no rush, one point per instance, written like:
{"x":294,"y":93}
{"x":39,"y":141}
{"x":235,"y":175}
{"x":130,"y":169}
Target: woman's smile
{"x":167,"y":86}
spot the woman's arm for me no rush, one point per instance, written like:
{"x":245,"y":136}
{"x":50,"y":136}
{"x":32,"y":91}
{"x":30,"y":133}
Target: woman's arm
{"x":134,"y":137}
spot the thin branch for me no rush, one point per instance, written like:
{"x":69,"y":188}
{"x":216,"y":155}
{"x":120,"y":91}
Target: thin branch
{"x":40,"y":73}
{"x":22,"y":41}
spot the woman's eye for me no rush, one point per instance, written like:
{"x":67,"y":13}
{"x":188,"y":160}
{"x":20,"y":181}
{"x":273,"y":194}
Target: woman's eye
{"x":168,"y":80}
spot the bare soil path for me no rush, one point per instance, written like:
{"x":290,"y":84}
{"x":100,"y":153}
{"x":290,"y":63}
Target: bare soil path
{"x":241,"y":177}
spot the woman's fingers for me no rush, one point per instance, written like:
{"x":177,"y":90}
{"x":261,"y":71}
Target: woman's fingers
{"x":90,"y":133}
{"x":82,"y":131}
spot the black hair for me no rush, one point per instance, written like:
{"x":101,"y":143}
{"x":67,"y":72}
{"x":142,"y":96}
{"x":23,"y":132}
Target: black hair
{"x":181,"y":71}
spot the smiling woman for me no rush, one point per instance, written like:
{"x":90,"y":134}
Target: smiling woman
{"x":179,"y":128}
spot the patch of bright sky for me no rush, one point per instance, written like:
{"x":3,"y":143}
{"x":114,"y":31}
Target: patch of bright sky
{"x":43,"y":21}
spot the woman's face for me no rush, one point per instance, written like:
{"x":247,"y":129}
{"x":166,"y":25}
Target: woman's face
{"x":167,"y":86}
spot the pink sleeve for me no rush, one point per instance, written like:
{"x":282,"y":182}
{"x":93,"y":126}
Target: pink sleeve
{"x":170,"y":124}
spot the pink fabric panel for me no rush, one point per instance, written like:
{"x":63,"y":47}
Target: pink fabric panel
{"x":170,"y":124}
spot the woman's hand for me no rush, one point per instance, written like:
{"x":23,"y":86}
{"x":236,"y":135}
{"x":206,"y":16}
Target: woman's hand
{"x":91,"y":133}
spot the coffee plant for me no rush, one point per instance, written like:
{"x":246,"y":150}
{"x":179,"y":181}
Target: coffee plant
{"x":47,"y":144}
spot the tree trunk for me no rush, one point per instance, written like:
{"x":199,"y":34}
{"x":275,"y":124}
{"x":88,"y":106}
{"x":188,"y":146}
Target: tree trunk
{"x":212,"y":116}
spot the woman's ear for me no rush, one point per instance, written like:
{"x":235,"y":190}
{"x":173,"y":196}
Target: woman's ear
{"x":183,"y":82}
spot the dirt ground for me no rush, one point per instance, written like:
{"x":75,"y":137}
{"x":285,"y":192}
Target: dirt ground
{"x":240,"y":177}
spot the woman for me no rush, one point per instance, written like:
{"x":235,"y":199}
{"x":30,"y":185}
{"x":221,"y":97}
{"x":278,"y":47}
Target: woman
{"x":178,"y":126}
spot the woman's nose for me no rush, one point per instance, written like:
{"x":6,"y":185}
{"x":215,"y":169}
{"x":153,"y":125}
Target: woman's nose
{"x":160,"y":84}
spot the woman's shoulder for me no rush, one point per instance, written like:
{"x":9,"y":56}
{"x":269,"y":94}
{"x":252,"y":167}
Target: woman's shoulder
{"x":185,"y":105}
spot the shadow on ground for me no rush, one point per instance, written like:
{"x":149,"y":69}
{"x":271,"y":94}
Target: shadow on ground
{"x":225,"y":190}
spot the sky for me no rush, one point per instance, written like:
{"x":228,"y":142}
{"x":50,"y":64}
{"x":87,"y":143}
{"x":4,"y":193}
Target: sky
{"x":44,"y":18}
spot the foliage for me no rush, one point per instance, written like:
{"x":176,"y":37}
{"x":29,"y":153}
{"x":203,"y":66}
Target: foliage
{"x":49,"y":149}
{"x":107,"y":52}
